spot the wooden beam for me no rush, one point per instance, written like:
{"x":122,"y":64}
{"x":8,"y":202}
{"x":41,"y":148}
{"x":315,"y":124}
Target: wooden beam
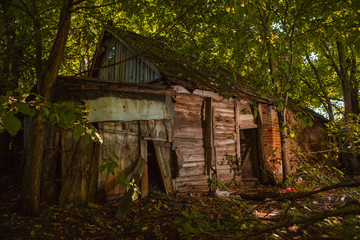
{"x":144,"y":187}
{"x":264,"y":177}
{"x":208,"y":135}
{"x":248,"y":126}
{"x":237,"y":129}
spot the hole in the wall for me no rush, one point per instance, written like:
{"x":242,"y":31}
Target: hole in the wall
{"x":112,"y":53}
{"x":155,"y":178}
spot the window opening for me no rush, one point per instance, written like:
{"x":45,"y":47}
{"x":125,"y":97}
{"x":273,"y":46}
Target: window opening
{"x":112,"y":53}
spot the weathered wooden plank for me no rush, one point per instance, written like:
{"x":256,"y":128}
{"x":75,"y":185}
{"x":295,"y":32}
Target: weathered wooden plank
{"x":190,"y":98}
{"x":237,"y":129}
{"x":224,"y":135}
{"x":192,"y":178}
{"x":194,"y":133}
{"x":248,"y":125}
{"x":224,"y":110}
{"x":225,"y":119}
{"x":193,"y":107}
{"x":193,"y":157}
{"x":186,"y":115}
{"x":224,"y":114}
{"x":186,"y":172}
{"x":191,"y":144}
{"x":221,"y":129}
{"x":224,"y":102}
{"x":193,"y":150}
{"x":163,"y":154}
{"x":193,"y":164}
{"x":227,"y":141}
{"x":225,"y":124}
{"x":144,"y":187}
{"x":187,"y":122}
{"x":246,"y":117}
{"x":192,"y":183}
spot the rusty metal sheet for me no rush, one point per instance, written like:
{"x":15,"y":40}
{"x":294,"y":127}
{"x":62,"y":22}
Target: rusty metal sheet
{"x":125,"y":109}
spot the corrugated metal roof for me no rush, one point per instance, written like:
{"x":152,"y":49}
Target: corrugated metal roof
{"x":176,"y":67}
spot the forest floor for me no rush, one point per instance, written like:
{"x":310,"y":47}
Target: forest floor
{"x":149,"y":218}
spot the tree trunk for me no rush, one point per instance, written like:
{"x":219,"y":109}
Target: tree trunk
{"x":284,"y":145}
{"x":327,"y":104}
{"x":46,"y":83}
{"x":32,"y":173}
{"x":346,"y":86}
{"x":349,"y":158}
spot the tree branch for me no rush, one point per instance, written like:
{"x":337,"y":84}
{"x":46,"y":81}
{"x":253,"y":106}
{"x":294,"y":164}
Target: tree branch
{"x":304,"y":220}
{"x":299,"y":195}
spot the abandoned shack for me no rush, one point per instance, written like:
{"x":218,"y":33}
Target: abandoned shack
{"x":154,"y":103}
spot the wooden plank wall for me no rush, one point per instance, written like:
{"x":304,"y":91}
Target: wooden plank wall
{"x":224,"y":137}
{"x":188,"y":137}
{"x":135,"y":70}
{"x":189,"y":124}
{"x":121,"y":138}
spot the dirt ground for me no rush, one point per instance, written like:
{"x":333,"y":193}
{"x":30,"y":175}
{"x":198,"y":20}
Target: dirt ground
{"x":149,"y":218}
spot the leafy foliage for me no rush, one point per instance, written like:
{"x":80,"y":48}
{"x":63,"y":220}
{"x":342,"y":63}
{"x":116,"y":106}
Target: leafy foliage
{"x":343,"y":132}
{"x":64,"y":115}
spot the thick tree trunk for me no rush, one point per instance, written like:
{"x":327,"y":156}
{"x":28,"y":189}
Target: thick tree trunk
{"x":349,"y":159}
{"x":32,"y":174}
{"x":46,"y":83}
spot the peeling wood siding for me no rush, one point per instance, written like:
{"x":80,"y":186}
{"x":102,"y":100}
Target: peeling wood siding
{"x":133,"y":69}
{"x":189,"y":117}
{"x":224,"y":137}
{"x":188,"y":137}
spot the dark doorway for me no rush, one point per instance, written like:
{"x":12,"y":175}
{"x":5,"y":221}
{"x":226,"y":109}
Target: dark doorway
{"x":154,"y":174}
{"x":250,"y":165}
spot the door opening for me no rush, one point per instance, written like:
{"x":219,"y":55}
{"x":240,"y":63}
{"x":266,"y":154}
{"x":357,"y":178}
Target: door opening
{"x":250,"y":164}
{"x":154,"y":174}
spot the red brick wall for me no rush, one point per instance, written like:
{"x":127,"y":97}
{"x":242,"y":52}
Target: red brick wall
{"x":306,"y":140}
{"x":272,"y":141}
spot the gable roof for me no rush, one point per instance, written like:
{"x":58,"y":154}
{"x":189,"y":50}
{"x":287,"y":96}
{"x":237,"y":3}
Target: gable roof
{"x":175,"y":67}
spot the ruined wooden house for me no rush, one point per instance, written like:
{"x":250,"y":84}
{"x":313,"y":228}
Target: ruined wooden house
{"x":188,"y":123}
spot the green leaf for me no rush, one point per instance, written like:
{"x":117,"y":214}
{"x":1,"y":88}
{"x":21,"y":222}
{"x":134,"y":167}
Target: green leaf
{"x":32,"y":112}
{"x":303,"y":124}
{"x":78,"y":131}
{"x":11,"y":123}
{"x":102,"y":168}
{"x":22,"y":107}
{"x":46,"y":112}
